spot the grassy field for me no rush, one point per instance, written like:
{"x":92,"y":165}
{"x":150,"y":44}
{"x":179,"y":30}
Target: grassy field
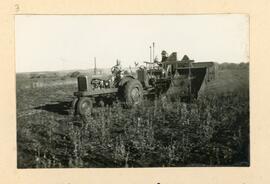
{"x":211,"y":131}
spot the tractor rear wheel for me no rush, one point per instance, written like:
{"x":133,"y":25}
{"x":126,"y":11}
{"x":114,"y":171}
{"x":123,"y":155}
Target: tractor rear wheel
{"x":84,"y":106}
{"x":133,"y":93}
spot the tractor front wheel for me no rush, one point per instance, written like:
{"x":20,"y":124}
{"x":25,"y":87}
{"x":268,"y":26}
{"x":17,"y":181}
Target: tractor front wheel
{"x":84,"y":106}
{"x":74,"y":106}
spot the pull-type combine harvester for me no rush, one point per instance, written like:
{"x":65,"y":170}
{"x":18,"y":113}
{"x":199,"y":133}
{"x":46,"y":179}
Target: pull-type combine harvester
{"x":184,"y":78}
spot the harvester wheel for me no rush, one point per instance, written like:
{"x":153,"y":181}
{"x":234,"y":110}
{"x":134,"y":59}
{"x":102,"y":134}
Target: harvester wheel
{"x":133,"y":93}
{"x":84,"y":106}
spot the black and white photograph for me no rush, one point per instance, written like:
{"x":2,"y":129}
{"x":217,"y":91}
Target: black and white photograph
{"x":132,"y":91}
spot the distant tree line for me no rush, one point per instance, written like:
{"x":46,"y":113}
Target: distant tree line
{"x":242,"y":65}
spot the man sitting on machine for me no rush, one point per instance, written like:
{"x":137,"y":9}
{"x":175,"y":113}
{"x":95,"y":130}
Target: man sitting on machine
{"x":117,"y":73}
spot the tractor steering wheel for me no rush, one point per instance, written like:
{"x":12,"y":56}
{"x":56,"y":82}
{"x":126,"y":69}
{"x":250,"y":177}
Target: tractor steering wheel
{"x":142,"y":67}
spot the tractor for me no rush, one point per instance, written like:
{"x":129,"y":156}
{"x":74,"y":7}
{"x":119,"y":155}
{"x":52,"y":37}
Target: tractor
{"x":184,"y":78}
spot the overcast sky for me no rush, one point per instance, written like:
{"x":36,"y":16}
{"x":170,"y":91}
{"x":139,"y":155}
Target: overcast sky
{"x":48,"y":43}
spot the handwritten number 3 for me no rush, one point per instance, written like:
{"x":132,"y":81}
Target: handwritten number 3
{"x":17,"y":7}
